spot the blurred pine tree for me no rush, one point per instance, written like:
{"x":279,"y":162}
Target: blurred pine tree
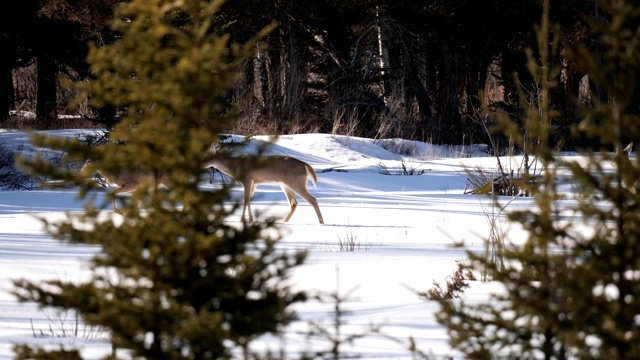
{"x":173,"y":279}
{"x":572,"y":289}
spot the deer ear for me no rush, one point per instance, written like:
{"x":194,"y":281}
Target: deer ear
{"x":629,"y":148}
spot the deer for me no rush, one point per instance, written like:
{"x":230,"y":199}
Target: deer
{"x":128,"y":180}
{"x":251,"y":170}
{"x":629,"y":184}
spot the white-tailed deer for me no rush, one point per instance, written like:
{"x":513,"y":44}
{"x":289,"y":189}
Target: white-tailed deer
{"x":251,"y":170}
{"x":629,"y":184}
{"x":127,"y":180}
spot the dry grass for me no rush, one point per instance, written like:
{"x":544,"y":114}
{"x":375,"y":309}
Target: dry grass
{"x":455,"y":285}
{"x":27,"y":121}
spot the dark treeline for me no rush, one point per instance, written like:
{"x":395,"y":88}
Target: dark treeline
{"x":42,"y":41}
{"x":430,"y":70}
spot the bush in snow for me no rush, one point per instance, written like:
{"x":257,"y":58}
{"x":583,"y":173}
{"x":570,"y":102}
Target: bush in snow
{"x":12,"y":178}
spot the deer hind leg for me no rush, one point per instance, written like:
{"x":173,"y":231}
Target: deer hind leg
{"x":246,"y":202}
{"x":291,"y":198}
{"x":304,"y":193}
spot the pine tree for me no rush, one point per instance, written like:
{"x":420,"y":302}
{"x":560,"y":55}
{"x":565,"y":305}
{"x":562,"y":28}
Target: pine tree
{"x":571,"y":292}
{"x":172,"y":279}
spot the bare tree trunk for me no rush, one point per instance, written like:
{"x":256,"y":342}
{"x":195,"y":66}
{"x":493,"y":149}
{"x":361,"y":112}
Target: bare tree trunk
{"x":257,"y":66}
{"x":447,"y":101}
{"x":281,"y":83}
{"x":476,"y":80}
{"x":6,"y":90}
{"x":107,"y":116}
{"x":382,"y":58}
{"x":46,"y":107}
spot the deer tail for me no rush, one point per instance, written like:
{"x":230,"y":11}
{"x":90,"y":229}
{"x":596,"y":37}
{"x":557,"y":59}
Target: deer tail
{"x":311,"y":173}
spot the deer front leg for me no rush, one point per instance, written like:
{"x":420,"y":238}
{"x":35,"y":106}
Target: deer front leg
{"x":115,"y":208}
{"x":113,"y":200}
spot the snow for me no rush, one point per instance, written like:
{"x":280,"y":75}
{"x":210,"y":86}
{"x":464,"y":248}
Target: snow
{"x":405,"y":227}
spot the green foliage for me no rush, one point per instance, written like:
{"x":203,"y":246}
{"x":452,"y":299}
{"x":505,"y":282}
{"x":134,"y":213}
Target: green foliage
{"x":570,"y":290}
{"x":173,"y":278}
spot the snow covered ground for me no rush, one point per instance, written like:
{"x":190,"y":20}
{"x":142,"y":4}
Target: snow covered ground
{"x":403,"y":227}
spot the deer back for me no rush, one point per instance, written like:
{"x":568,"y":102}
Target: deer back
{"x":263,"y":168}
{"x":123,"y":176}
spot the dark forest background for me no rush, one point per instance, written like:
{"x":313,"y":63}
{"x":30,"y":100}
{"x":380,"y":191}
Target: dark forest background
{"x":433,"y":70}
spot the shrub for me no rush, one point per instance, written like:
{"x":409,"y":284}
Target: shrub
{"x":455,"y":285}
{"x":12,"y":178}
